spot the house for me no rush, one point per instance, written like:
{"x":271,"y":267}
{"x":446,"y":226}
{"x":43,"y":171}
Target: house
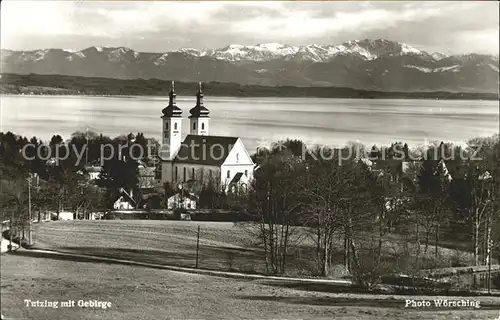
{"x":92,"y":172}
{"x":442,"y":170}
{"x":124,"y":201}
{"x":64,"y":215}
{"x":183,"y":199}
{"x":89,"y":215}
{"x":146,"y":177}
{"x":200,"y":156}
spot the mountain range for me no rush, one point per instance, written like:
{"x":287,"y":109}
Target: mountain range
{"x":360,"y":64}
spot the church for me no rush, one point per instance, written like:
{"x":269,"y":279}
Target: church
{"x":201,"y":158}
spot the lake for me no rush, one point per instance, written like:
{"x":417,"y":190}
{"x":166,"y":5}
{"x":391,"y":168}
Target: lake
{"x":259,"y":121}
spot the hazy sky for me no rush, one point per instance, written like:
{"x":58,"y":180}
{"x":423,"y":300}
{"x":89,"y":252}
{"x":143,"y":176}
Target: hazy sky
{"x":449,"y":27}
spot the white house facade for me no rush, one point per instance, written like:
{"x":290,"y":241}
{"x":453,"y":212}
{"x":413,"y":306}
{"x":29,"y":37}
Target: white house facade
{"x":201,"y":157}
{"x":182,"y":200}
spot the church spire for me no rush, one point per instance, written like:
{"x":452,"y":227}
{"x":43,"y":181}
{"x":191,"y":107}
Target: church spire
{"x":199,"y":110}
{"x":172,"y":95}
{"x":199,"y":118}
{"x":172,"y":110}
{"x":171,"y":127}
{"x":199,"y":95}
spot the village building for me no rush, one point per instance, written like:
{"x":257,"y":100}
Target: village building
{"x":200,"y":157}
{"x":182,"y":200}
{"x":125,"y":201}
{"x":91,"y":172}
{"x":146,"y":177}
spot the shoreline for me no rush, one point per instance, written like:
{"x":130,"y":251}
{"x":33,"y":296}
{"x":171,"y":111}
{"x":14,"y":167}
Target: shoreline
{"x":165,"y":97}
{"x":61,"y":85}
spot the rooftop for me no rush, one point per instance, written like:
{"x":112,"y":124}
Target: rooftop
{"x":205,"y":150}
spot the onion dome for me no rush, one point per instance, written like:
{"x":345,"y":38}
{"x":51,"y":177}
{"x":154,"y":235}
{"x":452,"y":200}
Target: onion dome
{"x":199,"y":110}
{"x":172,"y":110}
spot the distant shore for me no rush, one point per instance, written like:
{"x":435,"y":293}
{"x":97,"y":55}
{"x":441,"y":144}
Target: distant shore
{"x":34,"y":84}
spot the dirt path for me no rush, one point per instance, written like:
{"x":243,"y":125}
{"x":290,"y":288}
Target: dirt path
{"x":144,"y":293}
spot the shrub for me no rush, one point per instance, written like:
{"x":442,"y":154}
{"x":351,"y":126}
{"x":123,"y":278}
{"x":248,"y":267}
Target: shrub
{"x":495,"y":280}
{"x":178,"y":212}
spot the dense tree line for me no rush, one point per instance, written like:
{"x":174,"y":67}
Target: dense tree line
{"x":436,"y":202}
{"x":59,"y":166}
{"x":74,"y":85}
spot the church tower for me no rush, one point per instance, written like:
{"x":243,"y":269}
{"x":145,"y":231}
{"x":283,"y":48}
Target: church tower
{"x":199,"y":119}
{"x":172,"y":122}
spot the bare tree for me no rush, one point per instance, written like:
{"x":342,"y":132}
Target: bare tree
{"x":13,"y":198}
{"x":273,"y":200}
{"x":324,"y":185}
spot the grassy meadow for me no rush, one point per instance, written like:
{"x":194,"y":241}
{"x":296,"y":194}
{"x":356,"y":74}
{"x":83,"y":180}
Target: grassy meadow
{"x":223,"y":245}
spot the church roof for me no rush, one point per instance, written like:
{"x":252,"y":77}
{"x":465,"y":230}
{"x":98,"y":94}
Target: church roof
{"x":172,"y":110}
{"x":236,"y":178}
{"x":205,"y":150}
{"x":199,"y":110}
{"x":92,"y":168}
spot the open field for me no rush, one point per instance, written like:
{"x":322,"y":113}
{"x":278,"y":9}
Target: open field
{"x":141,"y":293}
{"x":223,"y":245}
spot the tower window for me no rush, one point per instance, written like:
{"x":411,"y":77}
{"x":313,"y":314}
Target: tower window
{"x":237,"y":157}
{"x":192,"y":173}
{"x":228,"y":174}
{"x":203,"y":126}
{"x":194,"y":125}
{"x":184,"y":174}
{"x":175,"y":126}
{"x":176,"y":174}
{"x":166,"y":125}
{"x":246,"y":173}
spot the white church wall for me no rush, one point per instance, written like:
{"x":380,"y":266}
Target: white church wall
{"x":172,"y":136}
{"x":201,"y":173}
{"x":229,"y":171}
{"x":166,"y":172}
{"x":237,"y":161}
{"x":238,"y":155}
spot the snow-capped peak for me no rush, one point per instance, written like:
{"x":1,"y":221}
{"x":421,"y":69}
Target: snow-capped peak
{"x":79,"y":54}
{"x":123,"y":49}
{"x":273,"y":46}
{"x":40,"y":54}
{"x":367,"y":49}
{"x":406,"y":49}
{"x":119,"y":54}
{"x":364,"y":49}
{"x":235,"y":46}
{"x":191,"y":51}
{"x":438,"y":56}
